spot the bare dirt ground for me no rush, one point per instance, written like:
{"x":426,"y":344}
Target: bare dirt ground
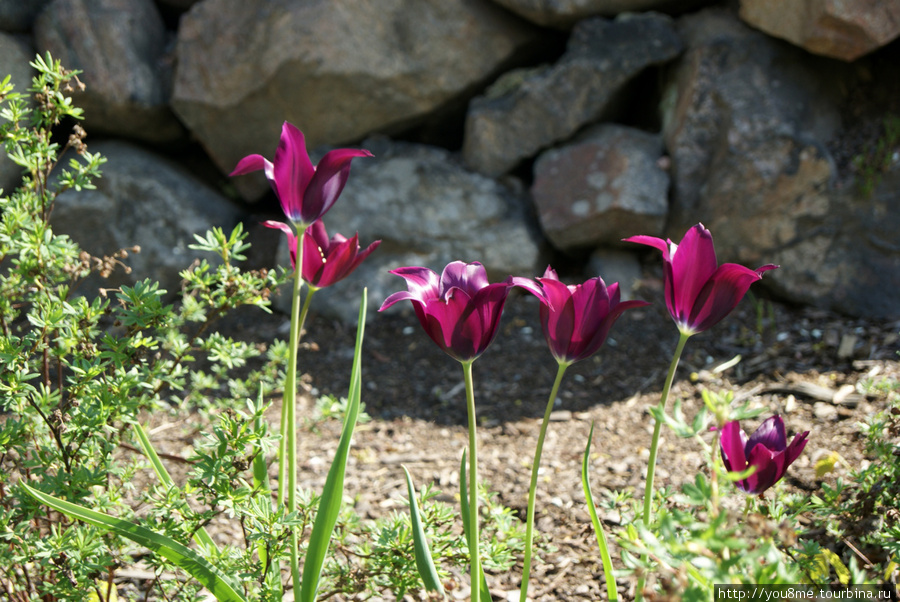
{"x":804,"y":364}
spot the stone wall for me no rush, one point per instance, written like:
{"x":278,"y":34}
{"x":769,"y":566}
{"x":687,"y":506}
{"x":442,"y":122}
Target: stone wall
{"x":512,"y":132}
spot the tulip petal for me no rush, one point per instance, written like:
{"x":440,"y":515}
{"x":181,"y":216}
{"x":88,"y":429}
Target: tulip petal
{"x":732,"y":442}
{"x":721,"y":294}
{"x":794,"y":450}
{"x":693,"y":264}
{"x":769,"y":468}
{"x":770,"y":433}
{"x":252,"y":163}
{"x":328,"y":182}
{"x":469,"y":277}
{"x":422,"y":283}
{"x":292,"y":173}
{"x":651,"y":241}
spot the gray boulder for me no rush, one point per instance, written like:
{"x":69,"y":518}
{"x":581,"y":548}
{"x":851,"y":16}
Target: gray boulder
{"x":337,"y":69}
{"x":143,"y":200}
{"x":120,"y":45}
{"x":746,"y":126}
{"x":18,"y":15}
{"x":606,"y":185}
{"x":525,"y":112}
{"x":565,"y":13}
{"x":841,"y":29}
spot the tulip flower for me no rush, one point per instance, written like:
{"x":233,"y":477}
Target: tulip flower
{"x":325,"y":261}
{"x":306,"y":192}
{"x":766,"y":450}
{"x":578,"y":318}
{"x":459,"y":310}
{"x":699,"y":292}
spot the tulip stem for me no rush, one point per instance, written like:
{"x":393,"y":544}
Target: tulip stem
{"x":288,"y":446}
{"x":654,"y":443}
{"x":535,"y":467}
{"x":282,"y":448}
{"x":474,"y":554}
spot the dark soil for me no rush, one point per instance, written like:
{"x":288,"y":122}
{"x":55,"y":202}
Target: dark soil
{"x":804,"y":364}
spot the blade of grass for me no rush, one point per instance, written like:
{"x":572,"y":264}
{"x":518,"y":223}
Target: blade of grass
{"x":424,"y":561}
{"x":464,"y":509}
{"x":611,"y":591}
{"x":200,"y":535}
{"x":333,"y":492}
{"x":183,"y":557}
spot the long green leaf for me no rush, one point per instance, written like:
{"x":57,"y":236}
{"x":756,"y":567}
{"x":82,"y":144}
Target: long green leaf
{"x":183,"y":557}
{"x":333,"y":492}
{"x":200,"y":535}
{"x":598,"y":526}
{"x":464,"y":509}
{"x":424,"y":561}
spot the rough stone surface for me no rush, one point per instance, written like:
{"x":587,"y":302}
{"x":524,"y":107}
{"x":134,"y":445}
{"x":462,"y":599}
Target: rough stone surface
{"x":842,"y":29}
{"x":565,"y":13}
{"x":428,"y":210}
{"x":120,"y":45}
{"x":588,"y":193}
{"x":616,"y":266}
{"x":19,"y":15}
{"x":144,"y":200}
{"x":15,"y":55}
{"x":746,"y":129}
{"x":520,"y":116}
{"x":338,"y":69}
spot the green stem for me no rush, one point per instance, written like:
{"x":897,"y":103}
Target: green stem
{"x":282,"y":448}
{"x":289,"y":415}
{"x":474,"y":554}
{"x":654,"y":444}
{"x":535,"y":467}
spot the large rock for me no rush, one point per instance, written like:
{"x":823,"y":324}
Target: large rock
{"x":525,"y":112}
{"x":19,"y":16}
{"x":841,"y":29}
{"x":746,"y":126}
{"x":15,"y":55}
{"x":338,"y":69}
{"x":428,"y":210}
{"x":120,"y":45}
{"x":565,"y":13}
{"x":599,"y":188}
{"x":144,"y":200}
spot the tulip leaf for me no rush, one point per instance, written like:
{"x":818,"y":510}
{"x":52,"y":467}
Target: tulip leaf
{"x":200,"y":535}
{"x":424,"y":561}
{"x":333,"y":492}
{"x":611,"y":591}
{"x":464,"y":509}
{"x":740,"y":476}
{"x":189,"y":561}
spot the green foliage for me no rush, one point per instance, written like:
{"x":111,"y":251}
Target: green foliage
{"x":877,"y":159}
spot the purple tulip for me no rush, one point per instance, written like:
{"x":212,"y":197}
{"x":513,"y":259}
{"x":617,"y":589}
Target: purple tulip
{"x":579,"y":317}
{"x":306,"y":192}
{"x":766,"y":450}
{"x":699,"y":292}
{"x":459,"y":310}
{"x":325,"y":261}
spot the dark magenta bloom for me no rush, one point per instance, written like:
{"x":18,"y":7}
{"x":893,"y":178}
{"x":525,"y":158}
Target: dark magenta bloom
{"x":578,"y":318}
{"x":324,"y":261}
{"x":766,"y":450}
{"x":699,"y":292}
{"x":459,"y":309}
{"x":306,"y":192}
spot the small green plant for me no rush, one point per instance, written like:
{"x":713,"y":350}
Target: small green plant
{"x":871,"y":164}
